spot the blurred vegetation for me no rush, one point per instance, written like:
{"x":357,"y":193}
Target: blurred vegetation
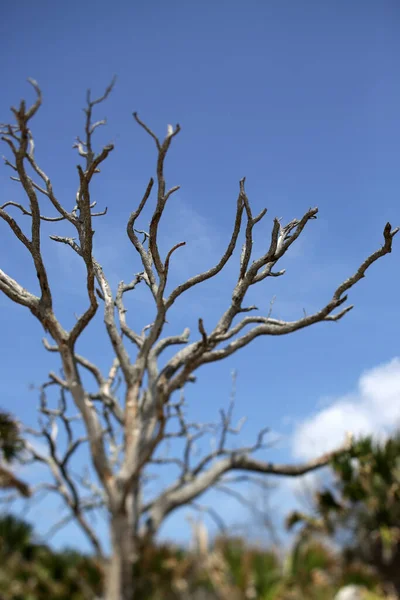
{"x":361,"y":510}
{"x":32,"y":571}
{"x":11,"y":449}
{"x":11,"y":443}
{"x":351,"y":537}
{"x":228,"y":569}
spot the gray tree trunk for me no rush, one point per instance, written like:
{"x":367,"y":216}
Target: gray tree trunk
{"x":119,"y":584}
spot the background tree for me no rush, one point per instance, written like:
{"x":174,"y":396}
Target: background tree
{"x":11,"y":448}
{"x":127,"y":437}
{"x":362,"y":508}
{"x":30,"y":570}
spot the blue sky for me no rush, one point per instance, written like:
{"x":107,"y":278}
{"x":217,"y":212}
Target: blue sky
{"x":300,"y":97}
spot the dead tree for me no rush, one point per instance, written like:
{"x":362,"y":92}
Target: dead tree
{"x":124,"y":437}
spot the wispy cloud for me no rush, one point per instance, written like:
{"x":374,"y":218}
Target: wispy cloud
{"x":204,"y":241}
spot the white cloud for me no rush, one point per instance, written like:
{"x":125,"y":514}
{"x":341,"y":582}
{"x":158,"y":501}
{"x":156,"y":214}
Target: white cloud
{"x":374,"y":408}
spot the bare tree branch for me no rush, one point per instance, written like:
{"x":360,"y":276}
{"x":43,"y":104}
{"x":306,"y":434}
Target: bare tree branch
{"x":198,"y":353}
{"x":213,"y":514}
{"x":180,"y":495}
{"x":58,"y":465}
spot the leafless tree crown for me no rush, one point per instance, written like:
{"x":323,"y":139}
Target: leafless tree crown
{"x":125,"y":436}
